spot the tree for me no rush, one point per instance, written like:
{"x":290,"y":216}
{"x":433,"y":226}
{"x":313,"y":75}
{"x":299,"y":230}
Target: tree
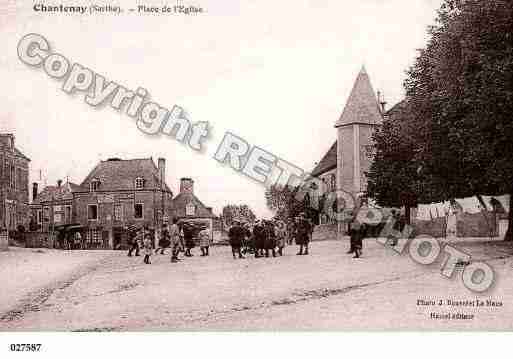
{"x":287,"y":204}
{"x":234,"y":212}
{"x":392,"y":177}
{"x":459,"y":103}
{"x":466,"y":119}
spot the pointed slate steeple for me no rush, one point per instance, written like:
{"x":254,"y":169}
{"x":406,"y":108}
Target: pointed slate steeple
{"x":362,"y":106}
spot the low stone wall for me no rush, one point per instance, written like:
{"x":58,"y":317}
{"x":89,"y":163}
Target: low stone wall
{"x":434,"y":228}
{"x":324,"y":232}
{"x":483,"y":224}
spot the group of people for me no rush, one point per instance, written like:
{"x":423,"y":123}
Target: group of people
{"x":180,"y":237}
{"x":266,"y":237}
{"x":262,"y":238}
{"x":358,"y":231}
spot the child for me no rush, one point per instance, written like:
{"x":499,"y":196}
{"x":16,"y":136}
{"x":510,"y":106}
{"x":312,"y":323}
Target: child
{"x":204,"y":236}
{"x":147,"y":246}
{"x":281,"y":235}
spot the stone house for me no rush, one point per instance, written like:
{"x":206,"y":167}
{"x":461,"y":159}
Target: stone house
{"x":187,"y":207}
{"x":52,"y":207}
{"x":118,"y":194}
{"x":14,"y":184}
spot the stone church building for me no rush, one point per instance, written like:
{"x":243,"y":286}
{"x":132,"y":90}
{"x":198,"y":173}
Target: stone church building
{"x":343,"y":167}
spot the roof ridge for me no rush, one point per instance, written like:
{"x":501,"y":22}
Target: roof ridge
{"x":129,"y":159}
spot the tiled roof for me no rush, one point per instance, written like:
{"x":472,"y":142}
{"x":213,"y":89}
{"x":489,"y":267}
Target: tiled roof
{"x":362,"y":105}
{"x":398,"y":108}
{"x":17,"y":152}
{"x":55,"y":193}
{"x":181,"y":201}
{"x":328,"y":162}
{"x":116,"y":174}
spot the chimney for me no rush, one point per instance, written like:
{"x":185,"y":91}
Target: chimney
{"x":34,"y":191}
{"x":186,"y":185}
{"x":59,"y":183}
{"x":382,"y":102}
{"x":162,"y":171}
{"x":7,"y":139}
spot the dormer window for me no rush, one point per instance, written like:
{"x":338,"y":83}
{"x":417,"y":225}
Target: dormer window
{"x":95,"y":185}
{"x":139,"y":183}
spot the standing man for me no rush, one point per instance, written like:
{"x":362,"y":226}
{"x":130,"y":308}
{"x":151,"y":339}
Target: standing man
{"x":357,"y":232}
{"x":303,"y":234}
{"x":258,"y":238}
{"x":236,"y":236}
{"x":164,"y":241}
{"x":188,"y":236}
{"x":133,"y":234}
{"x":270,"y":238}
{"x":248,"y":241}
{"x":174,"y":236}
{"x":291,"y":229}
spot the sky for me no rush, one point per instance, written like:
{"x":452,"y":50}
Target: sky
{"x":275,"y":73}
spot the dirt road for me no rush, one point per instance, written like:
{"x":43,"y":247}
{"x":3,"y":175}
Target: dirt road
{"x":327,"y":290}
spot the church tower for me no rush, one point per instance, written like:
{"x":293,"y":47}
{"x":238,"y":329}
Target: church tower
{"x":355,"y":127}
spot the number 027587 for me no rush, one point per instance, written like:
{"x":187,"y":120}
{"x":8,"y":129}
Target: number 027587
{"x":25,"y":347}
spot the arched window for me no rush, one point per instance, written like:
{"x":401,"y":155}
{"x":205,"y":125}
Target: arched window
{"x":94,"y":185}
{"x":139,"y":183}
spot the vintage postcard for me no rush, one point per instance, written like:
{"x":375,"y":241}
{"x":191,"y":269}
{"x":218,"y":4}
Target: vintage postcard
{"x":243,"y":166}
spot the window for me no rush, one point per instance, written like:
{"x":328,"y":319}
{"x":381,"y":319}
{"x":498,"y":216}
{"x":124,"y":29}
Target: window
{"x":46,"y":214}
{"x":333,"y":182}
{"x":39,"y":216}
{"x":95,"y":185}
{"x":118,"y":212}
{"x":139,"y":183}
{"x":92,"y":212}
{"x":19,"y":179}
{"x":57,"y":217}
{"x":67,"y":214}
{"x":13,"y":177}
{"x":6,"y":169}
{"x":190,"y":209}
{"x":138,"y":211}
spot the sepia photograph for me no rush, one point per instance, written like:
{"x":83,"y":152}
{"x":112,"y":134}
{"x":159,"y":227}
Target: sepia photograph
{"x":251,"y":167}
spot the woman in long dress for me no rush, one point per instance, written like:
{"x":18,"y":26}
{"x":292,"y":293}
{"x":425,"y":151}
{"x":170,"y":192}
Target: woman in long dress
{"x":281,"y":236}
{"x":188,"y":236}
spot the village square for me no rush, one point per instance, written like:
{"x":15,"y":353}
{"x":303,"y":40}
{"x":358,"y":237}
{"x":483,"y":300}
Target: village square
{"x":403,"y":223}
